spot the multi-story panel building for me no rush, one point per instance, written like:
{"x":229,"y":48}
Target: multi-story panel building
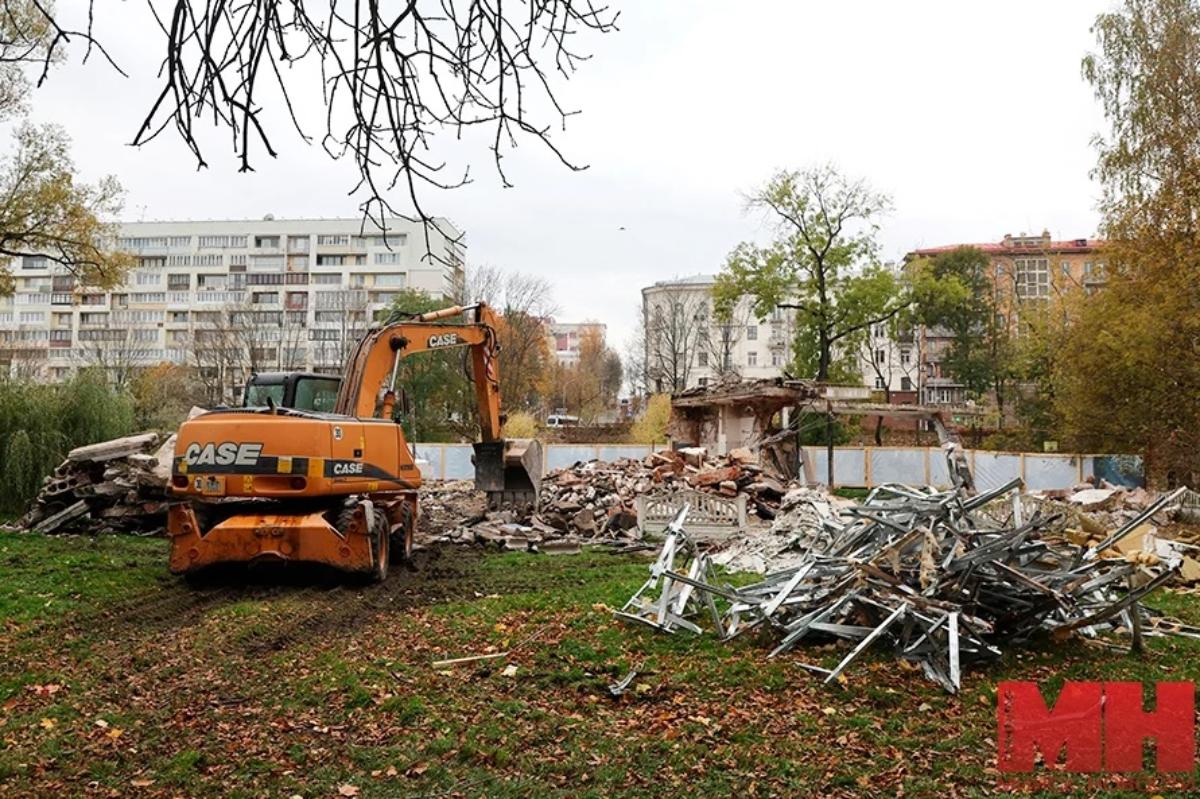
{"x":685,"y":346}
{"x":1023,"y":269}
{"x":226,"y":297}
{"x":565,"y":338}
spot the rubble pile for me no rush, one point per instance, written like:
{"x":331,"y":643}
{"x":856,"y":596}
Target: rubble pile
{"x":596,"y":500}
{"x":113,"y":486}
{"x":942,"y":579}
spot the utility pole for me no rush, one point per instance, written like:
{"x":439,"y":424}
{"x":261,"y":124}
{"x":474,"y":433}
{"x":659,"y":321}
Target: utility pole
{"x":829,"y":444}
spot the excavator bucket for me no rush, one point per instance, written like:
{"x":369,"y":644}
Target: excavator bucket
{"x":510,"y":471}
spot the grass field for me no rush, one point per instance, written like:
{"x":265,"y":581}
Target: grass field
{"x":120,"y":680}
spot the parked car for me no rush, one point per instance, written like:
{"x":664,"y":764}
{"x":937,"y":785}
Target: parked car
{"x":561,"y":420}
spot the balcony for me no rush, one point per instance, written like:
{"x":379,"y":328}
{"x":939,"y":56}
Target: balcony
{"x":211,"y":297}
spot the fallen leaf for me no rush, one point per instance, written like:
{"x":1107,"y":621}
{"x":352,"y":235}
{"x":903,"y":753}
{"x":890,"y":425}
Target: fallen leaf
{"x":115,"y":733}
{"x":510,"y":670}
{"x":47,"y":724}
{"x":102,"y":724}
{"x":829,"y":711}
{"x":391,"y":771}
{"x":347,"y":790}
{"x":141,"y":783}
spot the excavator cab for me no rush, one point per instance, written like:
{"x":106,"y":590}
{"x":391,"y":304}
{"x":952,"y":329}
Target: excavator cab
{"x":306,"y":391}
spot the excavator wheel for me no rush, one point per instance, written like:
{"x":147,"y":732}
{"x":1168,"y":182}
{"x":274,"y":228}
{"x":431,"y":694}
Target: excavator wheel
{"x":381,"y":545}
{"x":379,"y":540}
{"x":402,"y":534}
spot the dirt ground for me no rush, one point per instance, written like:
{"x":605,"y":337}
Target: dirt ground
{"x":121,"y":680}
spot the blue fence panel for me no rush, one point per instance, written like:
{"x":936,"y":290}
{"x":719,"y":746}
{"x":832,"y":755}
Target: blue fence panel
{"x":939,"y":470}
{"x":1046,"y":472}
{"x":429,"y":460}
{"x":458,"y":462}
{"x":898,"y":466}
{"x":560,"y":456}
{"x":992,"y":469}
{"x":615,"y":452}
{"x":850,"y":467}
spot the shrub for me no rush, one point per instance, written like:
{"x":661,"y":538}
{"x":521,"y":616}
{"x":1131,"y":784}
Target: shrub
{"x":651,"y":426}
{"x":40,"y":423}
{"x":520,"y":425}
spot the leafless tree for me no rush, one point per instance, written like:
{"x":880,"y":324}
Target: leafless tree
{"x":720,"y":339}
{"x":218,"y":354}
{"x":881,"y":352}
{"x":342,"y":318}
{"x":674,"y":319}
{"x":635,"y":362}
{"x":525,"y":304}
{"x":121,"y":350}
{"x":391,"y":78}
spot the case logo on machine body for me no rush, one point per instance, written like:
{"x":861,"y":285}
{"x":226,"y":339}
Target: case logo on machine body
{"x":347,"y":467}
{"x":443,"y":340}
{"x":224,"y":454}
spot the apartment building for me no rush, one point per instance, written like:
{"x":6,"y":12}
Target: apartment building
{"x":685,"y":346}
{"x":565,"y":337}
{"x":1023,"y":269}
{"x":226,"y":297}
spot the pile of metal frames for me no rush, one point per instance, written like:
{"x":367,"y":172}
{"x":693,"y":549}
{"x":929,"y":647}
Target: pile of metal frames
{"x":927,"y":574}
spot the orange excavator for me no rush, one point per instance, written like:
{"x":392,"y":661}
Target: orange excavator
{"x":286,"y":484}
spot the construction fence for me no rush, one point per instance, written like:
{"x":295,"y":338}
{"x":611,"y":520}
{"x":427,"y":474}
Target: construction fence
{"x":863,"y":467}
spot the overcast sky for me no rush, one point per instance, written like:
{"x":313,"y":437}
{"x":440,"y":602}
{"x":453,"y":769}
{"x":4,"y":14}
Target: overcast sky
{"x":972,"y":116}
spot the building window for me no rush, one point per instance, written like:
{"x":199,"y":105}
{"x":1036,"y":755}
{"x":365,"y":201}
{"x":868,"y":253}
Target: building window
{"x":776,"y":359}
{"x":702,"y":359}
{"x":297,"y":243}
{"x":222,"y":242}
{"x":391,"y":279}
{"x":703,"y":382}
{"x":751,"y":332}
{"x":327,"y":280}
{"x":905,"y":357}
{"x":266,"y":242}
{"x":906,"y":383}
{"x":265,"y":297}
{"x":752,"y":359}
{"x":148,"y":278}
{"x":387,"y":257}
{"x":880,"y":356}
{"x":333,"y":240}
{"x":1066,"y":268}
{"x":1033,"y":277}
{"x":331,"y":260}
{"x":879,"y":382}
{"x":391,"y":240}
{"x":180,"y":241}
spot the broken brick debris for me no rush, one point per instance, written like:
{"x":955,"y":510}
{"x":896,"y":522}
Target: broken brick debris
{"x":117,"y":486}
{"x":595,"y":501}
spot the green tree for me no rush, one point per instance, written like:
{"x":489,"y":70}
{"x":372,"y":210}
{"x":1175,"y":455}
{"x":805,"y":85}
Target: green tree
{"x":1127,"y":375}
{"x":44,"y":209}
{"x":823,"y":263}
{"x":957,"y":293}
{"x":40,"y":423}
